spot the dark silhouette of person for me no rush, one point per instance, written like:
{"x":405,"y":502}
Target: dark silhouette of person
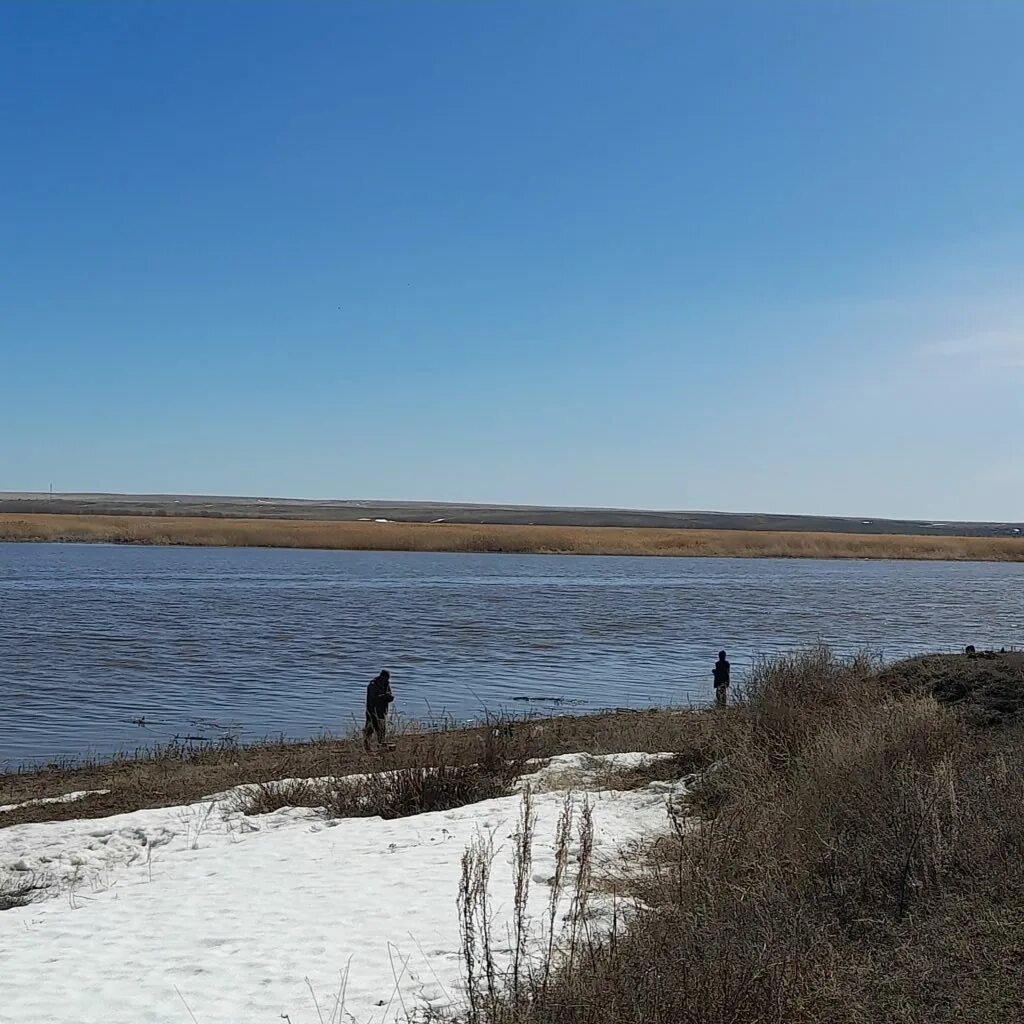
{"x":378,"y":697}
{"x":721,"y":675}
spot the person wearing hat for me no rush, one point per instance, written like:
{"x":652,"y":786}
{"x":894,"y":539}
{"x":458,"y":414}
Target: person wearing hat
{"x":378,"y":697}
{"x":721,"y":676}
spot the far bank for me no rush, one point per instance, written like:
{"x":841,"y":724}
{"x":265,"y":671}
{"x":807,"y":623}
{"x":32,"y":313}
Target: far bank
{"x":449,"y":537}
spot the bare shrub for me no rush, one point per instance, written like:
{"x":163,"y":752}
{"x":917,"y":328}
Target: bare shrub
{"x":267,"y":797}
{"x":435,"y":785}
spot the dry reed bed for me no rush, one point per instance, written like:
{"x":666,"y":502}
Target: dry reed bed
{"x":450,"y":537}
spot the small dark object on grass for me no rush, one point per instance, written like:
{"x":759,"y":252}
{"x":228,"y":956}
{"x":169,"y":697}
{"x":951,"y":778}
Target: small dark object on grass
{"x":970,"y":650}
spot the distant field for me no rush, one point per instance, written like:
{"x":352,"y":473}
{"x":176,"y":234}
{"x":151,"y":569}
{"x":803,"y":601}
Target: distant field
{"x":568,"y":540}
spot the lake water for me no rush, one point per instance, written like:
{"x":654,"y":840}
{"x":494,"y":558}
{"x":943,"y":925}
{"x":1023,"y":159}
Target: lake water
{"x":215,"y":642}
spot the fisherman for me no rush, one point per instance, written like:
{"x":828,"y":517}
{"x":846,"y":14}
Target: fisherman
{"x":378,"y":697}
{"x":721,"y":676}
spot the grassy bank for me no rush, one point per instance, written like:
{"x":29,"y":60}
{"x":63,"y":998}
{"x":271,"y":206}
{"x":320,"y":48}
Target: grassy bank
{"x":444,"y":537}
{"x":856,"y":855}
{"x":174,"y":775}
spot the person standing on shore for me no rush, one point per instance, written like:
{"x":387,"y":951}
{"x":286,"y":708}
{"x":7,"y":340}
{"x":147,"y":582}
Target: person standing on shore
{"x":378,"y":697}
{"x":721,"y":676}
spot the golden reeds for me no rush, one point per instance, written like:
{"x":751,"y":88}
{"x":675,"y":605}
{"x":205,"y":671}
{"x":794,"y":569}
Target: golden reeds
{"x":561,"y":540}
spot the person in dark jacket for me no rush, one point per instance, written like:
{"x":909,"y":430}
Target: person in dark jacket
{"x":378,"y":697}
{"x":721,"y":676}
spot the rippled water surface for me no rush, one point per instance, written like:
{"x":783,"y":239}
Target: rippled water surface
{"x":248,"y":642}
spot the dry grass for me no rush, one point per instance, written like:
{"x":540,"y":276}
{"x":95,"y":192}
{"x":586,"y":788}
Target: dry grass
{"x":692,"y":762}
{"x":401,"y":792}
{"x":439,"y":537}
{"x":395,"y":794}
{"x":172,"y":776}
{"x":860,"y":858}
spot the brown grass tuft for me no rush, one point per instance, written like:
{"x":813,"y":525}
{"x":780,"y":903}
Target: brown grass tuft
{"x":394,"y":794}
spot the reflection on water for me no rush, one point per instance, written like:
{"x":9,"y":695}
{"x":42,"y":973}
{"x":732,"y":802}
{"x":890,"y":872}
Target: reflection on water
{"x":105,"y":648}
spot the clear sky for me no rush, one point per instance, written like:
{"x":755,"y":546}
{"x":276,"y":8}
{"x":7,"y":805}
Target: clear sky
{"x":756,"y":256}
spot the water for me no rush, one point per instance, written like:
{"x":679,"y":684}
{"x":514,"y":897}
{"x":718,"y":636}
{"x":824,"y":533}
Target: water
{"x":249,"y":643}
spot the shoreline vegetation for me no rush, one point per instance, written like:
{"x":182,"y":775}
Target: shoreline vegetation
{"x":854,"y":854}
{"x":197,"y":531}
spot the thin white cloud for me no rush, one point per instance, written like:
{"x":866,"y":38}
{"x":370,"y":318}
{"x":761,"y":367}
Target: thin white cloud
{"x":994,"y":350}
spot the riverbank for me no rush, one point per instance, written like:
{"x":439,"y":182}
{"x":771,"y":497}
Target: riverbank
{"x":450,"y":537}
{"x":176,"y":775}
{"x":990,"y":686}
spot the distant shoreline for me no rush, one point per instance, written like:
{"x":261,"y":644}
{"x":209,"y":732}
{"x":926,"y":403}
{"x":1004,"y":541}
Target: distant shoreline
{"x":337,"y":535}
{"x":470,"y":514}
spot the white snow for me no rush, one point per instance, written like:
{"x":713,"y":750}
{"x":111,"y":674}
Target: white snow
{"x":66,"y":798}
{"x":202,"y":913}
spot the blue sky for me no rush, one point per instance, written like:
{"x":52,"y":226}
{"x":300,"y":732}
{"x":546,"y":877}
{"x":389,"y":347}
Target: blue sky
{"x":744,"y":256}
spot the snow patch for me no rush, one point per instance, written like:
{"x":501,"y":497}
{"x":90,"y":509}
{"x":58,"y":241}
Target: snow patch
{"x":236,"y":912}
{"x":66,"y":798}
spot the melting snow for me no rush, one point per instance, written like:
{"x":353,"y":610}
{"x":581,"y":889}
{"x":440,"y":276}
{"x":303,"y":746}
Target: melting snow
{"x":200,"y":912}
